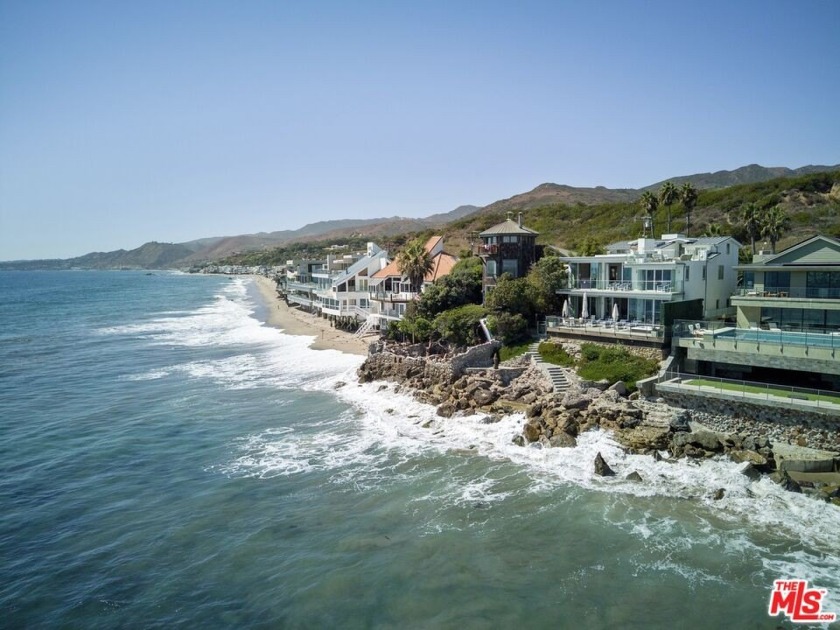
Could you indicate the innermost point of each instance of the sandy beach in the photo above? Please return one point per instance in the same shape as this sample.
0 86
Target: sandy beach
295 322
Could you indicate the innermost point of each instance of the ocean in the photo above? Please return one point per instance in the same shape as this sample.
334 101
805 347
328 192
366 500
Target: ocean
168 460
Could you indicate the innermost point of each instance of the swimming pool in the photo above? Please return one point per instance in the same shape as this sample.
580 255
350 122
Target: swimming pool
784 337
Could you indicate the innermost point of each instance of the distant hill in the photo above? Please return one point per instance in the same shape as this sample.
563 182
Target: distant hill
563 214
751 174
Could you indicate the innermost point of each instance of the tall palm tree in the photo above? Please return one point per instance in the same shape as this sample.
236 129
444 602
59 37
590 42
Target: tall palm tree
415 262
668 194
776 222
688 196
649 203
751 220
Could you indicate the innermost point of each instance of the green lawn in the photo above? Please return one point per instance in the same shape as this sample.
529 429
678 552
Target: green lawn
768 390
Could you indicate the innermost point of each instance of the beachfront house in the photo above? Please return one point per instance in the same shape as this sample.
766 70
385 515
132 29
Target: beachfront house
391 290
638 282
507 247
297 284
787 322
342 290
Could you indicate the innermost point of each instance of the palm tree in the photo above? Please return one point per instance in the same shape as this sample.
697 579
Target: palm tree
649 203
688 196
415 262
751 219
668 194
776 222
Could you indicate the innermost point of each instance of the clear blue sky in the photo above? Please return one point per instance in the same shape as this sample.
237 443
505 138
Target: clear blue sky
125 122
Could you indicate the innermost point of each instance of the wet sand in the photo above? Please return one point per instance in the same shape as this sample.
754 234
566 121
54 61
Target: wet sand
296 322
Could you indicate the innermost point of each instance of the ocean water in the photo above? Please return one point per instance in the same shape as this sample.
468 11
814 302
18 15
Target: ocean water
168 461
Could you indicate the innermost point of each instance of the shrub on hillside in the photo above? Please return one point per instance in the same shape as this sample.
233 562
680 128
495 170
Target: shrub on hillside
614 364
460 326
510 328
555 354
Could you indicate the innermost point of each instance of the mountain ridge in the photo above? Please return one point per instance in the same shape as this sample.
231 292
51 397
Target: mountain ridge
157 255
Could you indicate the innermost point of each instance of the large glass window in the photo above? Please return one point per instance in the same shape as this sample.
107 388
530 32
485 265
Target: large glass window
823 284
775 281
511 266
491 268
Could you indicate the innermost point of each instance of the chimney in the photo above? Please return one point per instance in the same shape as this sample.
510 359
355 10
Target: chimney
520 219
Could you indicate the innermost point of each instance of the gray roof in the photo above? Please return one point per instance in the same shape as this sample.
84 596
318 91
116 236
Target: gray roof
507 227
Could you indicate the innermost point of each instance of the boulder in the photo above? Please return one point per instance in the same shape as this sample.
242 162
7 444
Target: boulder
751 472
518 440
634 476
619 388
602 469
446 410
484 397
718 495
532 431
562 440
757 460
784 479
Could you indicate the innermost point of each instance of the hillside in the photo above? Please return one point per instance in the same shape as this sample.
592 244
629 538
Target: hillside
564 216
751 174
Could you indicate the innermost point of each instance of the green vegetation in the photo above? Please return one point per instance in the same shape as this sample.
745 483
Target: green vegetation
765 390
555 354
509 352
614 364
460 326
415 262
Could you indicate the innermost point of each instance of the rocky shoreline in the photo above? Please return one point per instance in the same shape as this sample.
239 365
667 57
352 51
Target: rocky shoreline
640 426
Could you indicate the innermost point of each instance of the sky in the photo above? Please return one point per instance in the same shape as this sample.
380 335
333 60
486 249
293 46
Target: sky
127 122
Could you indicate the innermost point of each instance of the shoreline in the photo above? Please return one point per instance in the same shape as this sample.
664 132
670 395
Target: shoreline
294 322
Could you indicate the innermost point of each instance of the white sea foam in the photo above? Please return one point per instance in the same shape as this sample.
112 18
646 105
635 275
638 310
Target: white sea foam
379 443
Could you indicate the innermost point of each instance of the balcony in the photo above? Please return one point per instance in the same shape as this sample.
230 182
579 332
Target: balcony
808 350
392 296
659 287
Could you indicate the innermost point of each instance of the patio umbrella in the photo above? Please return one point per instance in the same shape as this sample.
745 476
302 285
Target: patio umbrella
565 310
584 311
615 312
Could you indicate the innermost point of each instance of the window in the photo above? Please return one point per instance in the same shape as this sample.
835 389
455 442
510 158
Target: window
511 266
510 239
687 270
720 272
727 248
491 268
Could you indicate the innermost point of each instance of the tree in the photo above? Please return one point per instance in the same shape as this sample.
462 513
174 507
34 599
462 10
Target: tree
415 262
668 195
460 326
591 247
547 275
461 286
688 196
750 218
512 295
775 223
713 229
649 203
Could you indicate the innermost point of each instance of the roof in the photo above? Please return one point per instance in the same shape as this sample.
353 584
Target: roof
391 269
443 264
814 252
508 227
432 243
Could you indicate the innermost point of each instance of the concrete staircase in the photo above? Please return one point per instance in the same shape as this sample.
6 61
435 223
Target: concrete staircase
554 372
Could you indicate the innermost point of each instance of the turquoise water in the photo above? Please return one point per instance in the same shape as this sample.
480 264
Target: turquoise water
168 460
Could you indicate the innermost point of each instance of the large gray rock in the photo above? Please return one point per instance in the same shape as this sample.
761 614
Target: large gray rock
484 397
619 388
602 468
562 440
532 431
446 410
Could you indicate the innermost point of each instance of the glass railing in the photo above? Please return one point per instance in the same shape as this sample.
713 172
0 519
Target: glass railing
752 390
